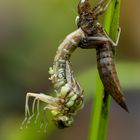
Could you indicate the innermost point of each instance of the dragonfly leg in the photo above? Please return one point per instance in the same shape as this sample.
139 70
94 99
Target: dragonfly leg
101 8
38 97
33 110
100 27
92 42
98 5
38 110
27 111
110 40
44 122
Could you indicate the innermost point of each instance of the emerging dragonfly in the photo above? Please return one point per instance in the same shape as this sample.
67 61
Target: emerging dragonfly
69 95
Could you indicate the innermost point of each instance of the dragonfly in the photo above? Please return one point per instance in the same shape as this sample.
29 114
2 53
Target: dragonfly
69 96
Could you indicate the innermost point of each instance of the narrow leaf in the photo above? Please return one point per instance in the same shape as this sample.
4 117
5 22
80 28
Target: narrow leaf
99 120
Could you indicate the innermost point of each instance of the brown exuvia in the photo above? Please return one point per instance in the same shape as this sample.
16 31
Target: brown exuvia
108 74
97 38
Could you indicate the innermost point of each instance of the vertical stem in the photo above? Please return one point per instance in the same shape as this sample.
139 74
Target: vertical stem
95 119
99 119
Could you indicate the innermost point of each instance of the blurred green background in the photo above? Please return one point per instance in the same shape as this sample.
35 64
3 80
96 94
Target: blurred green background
30 32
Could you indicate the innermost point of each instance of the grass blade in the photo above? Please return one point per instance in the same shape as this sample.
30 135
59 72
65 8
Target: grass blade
99 120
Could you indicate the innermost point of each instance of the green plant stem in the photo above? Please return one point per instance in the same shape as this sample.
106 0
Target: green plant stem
99 119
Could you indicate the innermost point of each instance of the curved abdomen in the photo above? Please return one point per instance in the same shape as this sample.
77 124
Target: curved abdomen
108 74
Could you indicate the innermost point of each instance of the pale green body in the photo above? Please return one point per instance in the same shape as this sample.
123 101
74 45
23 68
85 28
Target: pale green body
69 95
65 85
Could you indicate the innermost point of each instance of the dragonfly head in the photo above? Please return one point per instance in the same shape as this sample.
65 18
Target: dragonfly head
63 121
86 17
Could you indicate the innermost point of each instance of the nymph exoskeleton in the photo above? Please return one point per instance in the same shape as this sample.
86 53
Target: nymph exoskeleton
97 38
